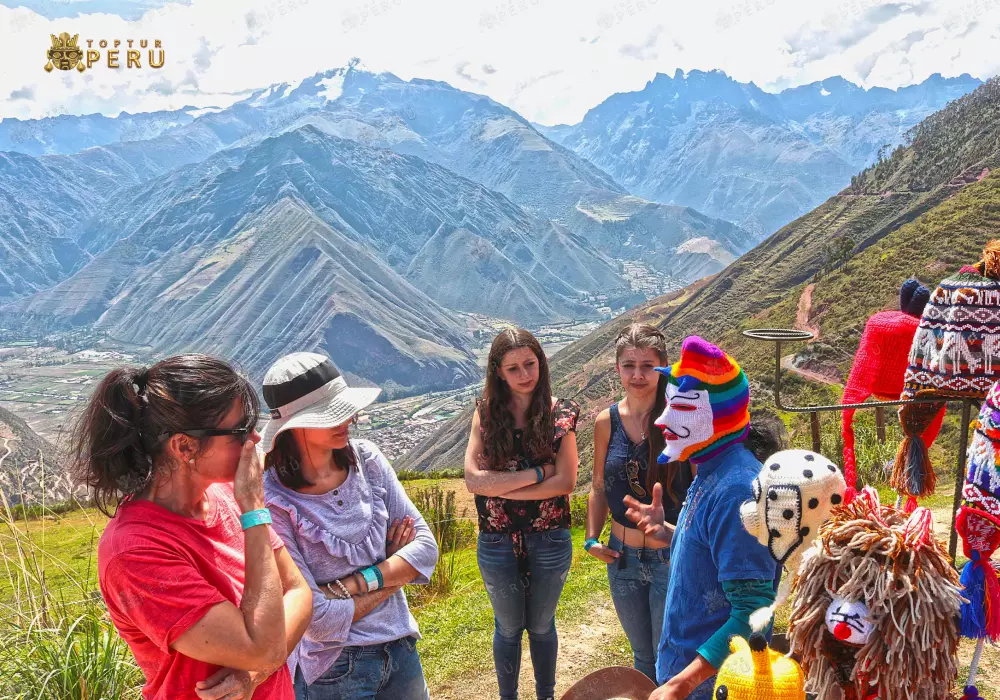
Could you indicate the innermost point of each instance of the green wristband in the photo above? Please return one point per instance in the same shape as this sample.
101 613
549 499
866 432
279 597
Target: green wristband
590 542
541 474
251 518
371 578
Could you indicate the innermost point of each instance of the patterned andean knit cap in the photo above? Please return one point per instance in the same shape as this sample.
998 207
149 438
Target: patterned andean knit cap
956 349
955 354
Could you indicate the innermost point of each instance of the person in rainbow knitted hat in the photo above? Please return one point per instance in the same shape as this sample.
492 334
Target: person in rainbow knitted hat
708 403
719 573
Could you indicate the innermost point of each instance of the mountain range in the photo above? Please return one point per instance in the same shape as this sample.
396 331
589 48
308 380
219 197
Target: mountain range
351 212
734 152
924 211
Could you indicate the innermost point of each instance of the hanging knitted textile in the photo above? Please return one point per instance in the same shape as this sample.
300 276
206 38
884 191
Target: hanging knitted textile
955 354
875 604
755 672
880 364
978 524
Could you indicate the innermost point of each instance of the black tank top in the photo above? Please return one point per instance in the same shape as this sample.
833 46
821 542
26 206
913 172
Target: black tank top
625 469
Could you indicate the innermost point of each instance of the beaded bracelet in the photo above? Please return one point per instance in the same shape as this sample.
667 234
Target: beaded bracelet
342 594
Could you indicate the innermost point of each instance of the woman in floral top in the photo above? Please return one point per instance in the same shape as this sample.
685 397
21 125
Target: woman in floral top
521 463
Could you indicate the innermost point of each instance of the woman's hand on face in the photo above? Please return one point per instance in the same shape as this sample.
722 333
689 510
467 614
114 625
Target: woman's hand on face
400 534
248 486
604 553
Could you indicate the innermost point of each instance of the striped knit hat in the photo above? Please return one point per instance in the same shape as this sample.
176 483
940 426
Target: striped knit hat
703 369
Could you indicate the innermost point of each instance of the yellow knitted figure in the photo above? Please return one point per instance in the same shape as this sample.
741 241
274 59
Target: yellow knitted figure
755 672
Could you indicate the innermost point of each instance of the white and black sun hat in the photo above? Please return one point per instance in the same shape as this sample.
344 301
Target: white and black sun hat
305 390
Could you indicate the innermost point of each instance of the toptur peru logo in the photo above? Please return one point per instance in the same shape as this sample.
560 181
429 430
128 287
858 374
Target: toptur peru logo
65 53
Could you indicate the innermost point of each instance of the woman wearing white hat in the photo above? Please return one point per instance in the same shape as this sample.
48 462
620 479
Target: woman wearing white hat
353 532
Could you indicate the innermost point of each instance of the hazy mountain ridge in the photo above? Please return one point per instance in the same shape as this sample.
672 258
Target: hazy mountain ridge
469 134
735 152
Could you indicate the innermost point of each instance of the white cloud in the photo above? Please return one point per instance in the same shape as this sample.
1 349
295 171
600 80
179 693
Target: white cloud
550 60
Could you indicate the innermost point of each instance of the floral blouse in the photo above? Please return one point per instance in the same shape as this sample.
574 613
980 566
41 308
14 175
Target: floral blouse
507 516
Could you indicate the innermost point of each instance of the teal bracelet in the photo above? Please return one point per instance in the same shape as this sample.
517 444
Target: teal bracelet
371 578
252 518
589 542
541 474
378 575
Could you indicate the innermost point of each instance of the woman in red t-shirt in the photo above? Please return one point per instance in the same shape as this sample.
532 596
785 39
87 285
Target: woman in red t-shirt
203 592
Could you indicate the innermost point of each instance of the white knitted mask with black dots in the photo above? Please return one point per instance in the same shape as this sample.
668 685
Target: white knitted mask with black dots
792 497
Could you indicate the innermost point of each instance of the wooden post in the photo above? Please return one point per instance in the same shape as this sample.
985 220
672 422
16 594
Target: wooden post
814 422
963 442
880 424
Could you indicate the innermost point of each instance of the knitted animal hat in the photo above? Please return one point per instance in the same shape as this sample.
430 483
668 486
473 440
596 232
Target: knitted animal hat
955 354
755 672
793 497
876 562
708 401
881 360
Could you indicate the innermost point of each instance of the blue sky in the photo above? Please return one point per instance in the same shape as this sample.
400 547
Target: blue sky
61 9
550 60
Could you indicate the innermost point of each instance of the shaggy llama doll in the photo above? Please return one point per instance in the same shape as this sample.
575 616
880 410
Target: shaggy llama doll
876 604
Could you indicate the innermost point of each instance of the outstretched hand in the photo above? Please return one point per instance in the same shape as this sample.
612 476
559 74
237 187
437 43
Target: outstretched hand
649 518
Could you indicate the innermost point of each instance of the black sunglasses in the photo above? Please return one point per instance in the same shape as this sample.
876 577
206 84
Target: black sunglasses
242 433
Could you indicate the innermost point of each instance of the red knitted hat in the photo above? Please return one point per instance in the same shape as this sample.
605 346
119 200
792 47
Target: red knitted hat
880 363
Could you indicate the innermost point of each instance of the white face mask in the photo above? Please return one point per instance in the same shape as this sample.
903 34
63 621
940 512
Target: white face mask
849 621
686 422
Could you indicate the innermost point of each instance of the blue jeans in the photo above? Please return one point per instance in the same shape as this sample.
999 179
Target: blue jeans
639 592
389 671
515 610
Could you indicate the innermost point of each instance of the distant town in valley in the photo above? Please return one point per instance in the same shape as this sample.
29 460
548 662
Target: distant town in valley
44 380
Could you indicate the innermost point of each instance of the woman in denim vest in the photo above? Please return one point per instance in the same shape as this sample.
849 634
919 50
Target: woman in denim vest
521 463
625 443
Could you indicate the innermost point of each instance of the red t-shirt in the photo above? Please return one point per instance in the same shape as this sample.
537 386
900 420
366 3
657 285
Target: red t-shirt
160 573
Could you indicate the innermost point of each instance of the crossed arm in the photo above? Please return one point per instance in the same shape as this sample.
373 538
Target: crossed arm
559 478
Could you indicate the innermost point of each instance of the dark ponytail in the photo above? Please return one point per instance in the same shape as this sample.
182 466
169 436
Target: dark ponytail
118 441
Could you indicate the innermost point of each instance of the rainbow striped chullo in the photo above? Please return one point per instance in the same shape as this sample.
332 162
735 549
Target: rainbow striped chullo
708 403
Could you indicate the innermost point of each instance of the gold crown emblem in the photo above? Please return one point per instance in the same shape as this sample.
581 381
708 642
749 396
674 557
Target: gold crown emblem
64 53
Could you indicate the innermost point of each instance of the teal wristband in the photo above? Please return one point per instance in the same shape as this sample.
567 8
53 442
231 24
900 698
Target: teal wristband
252 518
590 542
371 578
541 474
378 575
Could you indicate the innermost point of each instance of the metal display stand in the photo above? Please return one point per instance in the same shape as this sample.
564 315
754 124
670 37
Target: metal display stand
780 335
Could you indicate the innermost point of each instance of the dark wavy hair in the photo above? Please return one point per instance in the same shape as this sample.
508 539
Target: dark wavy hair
118 441
640 336
286 461
495 416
